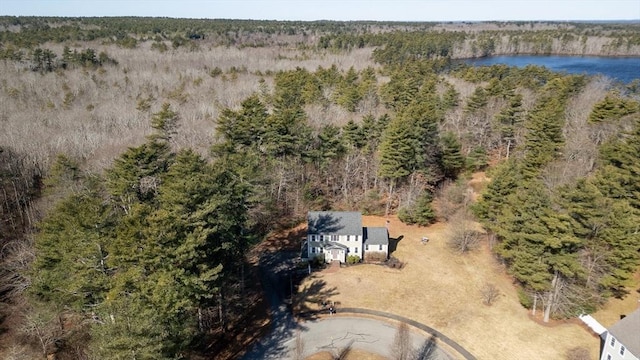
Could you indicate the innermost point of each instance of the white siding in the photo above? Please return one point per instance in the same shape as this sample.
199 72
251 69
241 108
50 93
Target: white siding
612 348
352 242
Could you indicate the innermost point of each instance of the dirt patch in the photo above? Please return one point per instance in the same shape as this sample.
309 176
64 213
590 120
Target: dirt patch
442 289
354 354
477 183
333 268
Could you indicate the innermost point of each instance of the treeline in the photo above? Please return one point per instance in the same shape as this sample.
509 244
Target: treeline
45 60
168 230
145 259
129 31
398 46
20 185
410 40
570 241
358 165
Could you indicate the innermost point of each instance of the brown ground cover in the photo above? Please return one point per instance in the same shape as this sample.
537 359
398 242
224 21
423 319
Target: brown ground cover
353 354
442 289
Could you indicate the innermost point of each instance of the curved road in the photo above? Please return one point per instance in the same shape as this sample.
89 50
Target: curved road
338 332
332 333
335 333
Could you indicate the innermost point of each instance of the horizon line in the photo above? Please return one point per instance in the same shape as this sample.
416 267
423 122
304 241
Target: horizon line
325 20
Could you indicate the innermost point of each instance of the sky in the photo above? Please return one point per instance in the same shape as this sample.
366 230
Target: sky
380 10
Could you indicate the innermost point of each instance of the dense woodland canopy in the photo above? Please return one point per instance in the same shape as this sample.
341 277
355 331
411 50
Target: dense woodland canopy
142 254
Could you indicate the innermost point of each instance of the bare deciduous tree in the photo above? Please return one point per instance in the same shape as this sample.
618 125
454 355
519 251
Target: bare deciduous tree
299 345
17 352
343 352
490 294
451 197
401 348
43 327
463 236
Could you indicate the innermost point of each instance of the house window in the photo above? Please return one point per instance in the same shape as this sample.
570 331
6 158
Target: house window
622 350
334 237
356 250
380 247
613 342
608 357
348 236
313 250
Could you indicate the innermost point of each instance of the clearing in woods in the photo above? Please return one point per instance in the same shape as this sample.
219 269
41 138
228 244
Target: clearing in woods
442 289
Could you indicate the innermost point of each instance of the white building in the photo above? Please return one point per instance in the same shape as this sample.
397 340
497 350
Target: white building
622 340
334 235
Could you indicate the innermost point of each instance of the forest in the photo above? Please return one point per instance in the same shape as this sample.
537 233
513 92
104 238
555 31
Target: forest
141 159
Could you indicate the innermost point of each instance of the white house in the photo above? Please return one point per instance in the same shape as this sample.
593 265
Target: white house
622 340
334 235
376 242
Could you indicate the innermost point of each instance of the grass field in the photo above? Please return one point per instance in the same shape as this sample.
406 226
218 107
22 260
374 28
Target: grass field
442 289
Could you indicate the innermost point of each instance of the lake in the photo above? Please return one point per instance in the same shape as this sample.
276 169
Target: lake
621 69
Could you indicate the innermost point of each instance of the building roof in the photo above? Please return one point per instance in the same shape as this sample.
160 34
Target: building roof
627 331
593 324
334 222
377 236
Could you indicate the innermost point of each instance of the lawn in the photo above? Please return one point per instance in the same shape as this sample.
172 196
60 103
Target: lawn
442 289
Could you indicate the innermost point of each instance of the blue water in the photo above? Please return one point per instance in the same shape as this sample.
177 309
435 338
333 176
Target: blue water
621 69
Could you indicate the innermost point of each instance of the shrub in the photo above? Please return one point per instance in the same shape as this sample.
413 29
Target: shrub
525 298
317 262
578 353
353 259
215 72
395 263
375 256
372 204
420 213
490 294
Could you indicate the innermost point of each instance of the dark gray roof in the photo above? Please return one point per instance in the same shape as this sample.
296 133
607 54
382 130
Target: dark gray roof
334 222
627 332
376 236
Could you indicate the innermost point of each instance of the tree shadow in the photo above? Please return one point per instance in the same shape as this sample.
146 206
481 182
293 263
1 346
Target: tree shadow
343 353
323 224
393 243
286 240
277 344
427 351
315 299
276 276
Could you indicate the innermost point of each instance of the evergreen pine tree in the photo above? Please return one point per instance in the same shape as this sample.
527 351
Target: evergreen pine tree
451 160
